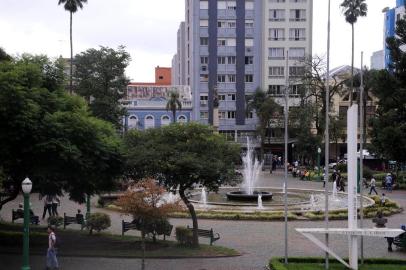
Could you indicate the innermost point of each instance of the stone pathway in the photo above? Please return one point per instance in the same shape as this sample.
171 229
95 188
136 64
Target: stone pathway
258 241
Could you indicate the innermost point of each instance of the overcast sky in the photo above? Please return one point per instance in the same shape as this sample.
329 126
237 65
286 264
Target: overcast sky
148 29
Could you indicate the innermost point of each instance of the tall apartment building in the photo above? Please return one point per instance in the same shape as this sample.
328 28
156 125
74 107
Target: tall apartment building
233 47
391 17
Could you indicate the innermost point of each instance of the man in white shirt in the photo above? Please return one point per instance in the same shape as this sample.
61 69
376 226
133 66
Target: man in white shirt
52 261
373 186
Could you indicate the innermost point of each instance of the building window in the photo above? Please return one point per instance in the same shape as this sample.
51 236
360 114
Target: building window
182 119
249 23
204 4
249 78
203 100
296 71
276 53
250 115
204 115
249 60
297 53
222 97
231 96
221 78
165 120
276 1
221 60
231 78
132 122
204 41
276 34
227 4
226 42
276 71
231 60
298 1
297 34
277 15
297 15
226 24
149 122
204 60
295 90
231 114
276 90
204 23
222 115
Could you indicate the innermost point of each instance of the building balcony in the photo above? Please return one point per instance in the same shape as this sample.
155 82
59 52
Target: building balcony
226 32
249 32
152 104
226 69
226 50
226 86
204 14
228 105
226 14
204 31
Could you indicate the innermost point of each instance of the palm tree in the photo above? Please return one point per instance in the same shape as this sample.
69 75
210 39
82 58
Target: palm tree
174 104
352 9
71 6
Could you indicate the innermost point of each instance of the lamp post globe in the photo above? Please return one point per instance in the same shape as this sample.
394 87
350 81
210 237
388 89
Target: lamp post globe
26 186
319 150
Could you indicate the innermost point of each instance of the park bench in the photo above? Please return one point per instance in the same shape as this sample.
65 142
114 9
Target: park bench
207 234
400 241
126 226
17 214
78 219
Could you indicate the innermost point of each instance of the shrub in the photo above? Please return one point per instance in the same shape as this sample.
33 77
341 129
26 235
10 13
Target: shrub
55 221
184 235
342 167
101 202
98 222
367 173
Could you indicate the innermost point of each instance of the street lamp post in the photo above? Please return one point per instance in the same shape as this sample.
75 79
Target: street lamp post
87 206
26 186
318 163
293 155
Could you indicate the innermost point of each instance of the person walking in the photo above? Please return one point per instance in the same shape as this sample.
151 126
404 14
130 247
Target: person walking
52 261
372 186
388 182
55 202
47 206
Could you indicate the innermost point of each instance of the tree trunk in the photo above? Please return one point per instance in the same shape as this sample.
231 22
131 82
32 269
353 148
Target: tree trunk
143 250
174 116
71 56
192 212
352 66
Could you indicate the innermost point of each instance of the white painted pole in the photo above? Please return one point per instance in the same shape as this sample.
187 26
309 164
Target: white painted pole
327 137
285 195
352 140
361 151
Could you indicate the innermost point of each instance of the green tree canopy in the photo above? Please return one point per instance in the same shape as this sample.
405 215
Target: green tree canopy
51 137
101 80
181 156
389 125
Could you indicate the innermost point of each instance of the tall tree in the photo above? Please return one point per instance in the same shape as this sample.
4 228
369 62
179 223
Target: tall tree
174 104
50 136
389 125
314 85
72 6
266 109
4 56
352 9
181 156
101 80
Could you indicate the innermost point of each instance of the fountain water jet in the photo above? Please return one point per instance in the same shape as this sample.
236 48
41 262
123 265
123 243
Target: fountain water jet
203 197
252 167
260 206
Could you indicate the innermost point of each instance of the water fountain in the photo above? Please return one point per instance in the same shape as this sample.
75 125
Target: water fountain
203 197
260 205
252 167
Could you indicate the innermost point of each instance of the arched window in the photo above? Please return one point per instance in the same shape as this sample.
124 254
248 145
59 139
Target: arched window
132 122
149 122
165 120
182 119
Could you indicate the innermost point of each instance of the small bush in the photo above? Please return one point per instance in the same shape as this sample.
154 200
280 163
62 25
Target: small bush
184 236
98 222
101 202
55 221
342 167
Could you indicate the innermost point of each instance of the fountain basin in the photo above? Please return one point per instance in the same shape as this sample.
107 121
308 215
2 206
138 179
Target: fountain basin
243 196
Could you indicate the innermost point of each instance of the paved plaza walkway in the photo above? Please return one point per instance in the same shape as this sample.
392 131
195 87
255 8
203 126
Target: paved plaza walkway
257 241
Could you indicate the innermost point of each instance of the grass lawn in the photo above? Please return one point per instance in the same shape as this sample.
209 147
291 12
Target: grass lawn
315 266
80 243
